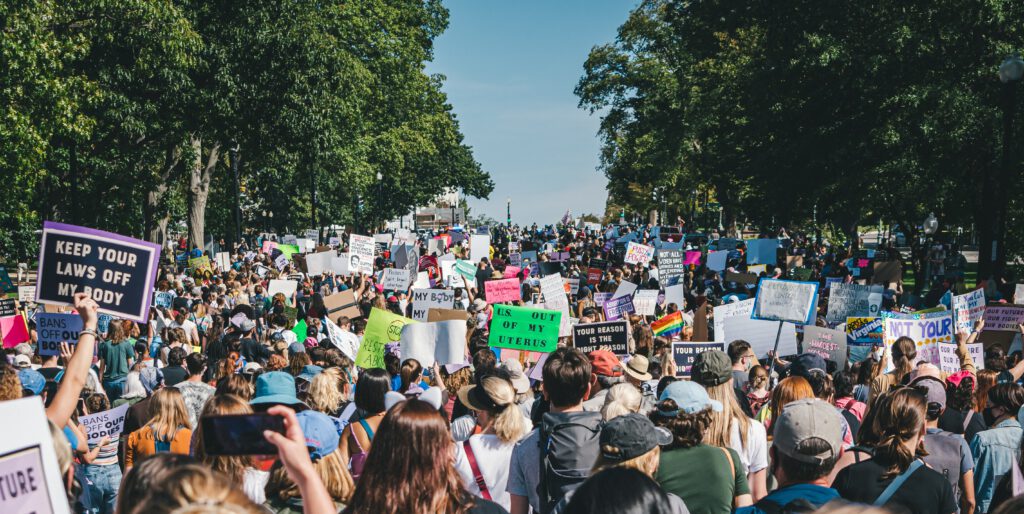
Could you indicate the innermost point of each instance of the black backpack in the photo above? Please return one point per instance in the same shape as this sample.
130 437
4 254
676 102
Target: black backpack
569 446
796 506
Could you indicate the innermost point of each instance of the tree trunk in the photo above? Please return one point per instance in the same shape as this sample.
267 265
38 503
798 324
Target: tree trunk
154 211
200 176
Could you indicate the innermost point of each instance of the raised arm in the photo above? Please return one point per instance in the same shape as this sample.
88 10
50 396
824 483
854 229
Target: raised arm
77 369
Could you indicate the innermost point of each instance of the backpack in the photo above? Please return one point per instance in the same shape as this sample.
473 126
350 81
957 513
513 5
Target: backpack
944 456
798 505
569 446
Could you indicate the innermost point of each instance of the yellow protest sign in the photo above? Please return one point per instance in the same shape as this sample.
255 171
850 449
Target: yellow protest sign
382 328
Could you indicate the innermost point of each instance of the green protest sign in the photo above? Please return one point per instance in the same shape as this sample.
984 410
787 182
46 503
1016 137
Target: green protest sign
466 268
288 250
382 328
520 328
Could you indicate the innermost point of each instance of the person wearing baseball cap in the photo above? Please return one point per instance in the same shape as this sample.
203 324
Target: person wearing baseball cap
322 441
808 442
607 369
949 454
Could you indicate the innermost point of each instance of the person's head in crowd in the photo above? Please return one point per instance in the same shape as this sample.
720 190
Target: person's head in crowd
713 370
899 423
412 453
808 442
842 384
167 413
176 357
1004 401
392 363
32 382
22 361
327 392
193 489
788 390
644 340
275 388
606 368
741 355
316 354
960 391
323 442
566 378
637 371
456 377
631 440
196 364
621 490
297 361
236 385
935 395
493 400
986 381
685 409
233 467
484 360
621 399
995 358
904 355
812 367
757 378
654 368
276 362
371 387
410 374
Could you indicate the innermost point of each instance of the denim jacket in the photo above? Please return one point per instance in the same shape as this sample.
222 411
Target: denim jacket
994 451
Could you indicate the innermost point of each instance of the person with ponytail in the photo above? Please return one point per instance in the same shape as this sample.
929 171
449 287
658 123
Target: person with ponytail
903 354
894 476
483 459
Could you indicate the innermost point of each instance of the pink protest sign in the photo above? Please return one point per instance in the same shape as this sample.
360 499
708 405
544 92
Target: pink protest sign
503 290
14 330
512 271
692 258
268 246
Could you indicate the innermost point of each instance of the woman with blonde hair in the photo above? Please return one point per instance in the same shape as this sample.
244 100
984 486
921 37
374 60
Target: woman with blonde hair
168 429
483 460
239 469
731 428
327 392
621 399
194 489
322 440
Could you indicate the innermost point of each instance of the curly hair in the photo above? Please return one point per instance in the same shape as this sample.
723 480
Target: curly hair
10 385
687 429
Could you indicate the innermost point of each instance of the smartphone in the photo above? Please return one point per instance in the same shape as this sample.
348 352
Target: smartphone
240 434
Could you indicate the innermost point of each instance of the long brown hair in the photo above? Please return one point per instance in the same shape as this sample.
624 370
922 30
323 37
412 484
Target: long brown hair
986 381
412 452
903 351
231 466
899 418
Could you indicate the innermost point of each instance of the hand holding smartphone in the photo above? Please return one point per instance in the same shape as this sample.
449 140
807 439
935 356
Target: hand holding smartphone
240 434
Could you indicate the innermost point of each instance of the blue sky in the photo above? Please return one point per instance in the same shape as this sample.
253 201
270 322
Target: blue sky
511 67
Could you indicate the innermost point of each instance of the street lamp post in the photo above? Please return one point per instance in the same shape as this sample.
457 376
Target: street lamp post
238 194
508 212
380 196
993 247
930 227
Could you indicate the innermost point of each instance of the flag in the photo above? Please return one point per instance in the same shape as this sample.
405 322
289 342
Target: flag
568 217
668 325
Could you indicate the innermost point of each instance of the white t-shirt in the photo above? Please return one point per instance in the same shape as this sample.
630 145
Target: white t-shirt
190 328
254 482
755 455
492 457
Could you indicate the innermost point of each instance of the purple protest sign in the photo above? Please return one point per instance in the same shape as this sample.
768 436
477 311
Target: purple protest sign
615 309
117 272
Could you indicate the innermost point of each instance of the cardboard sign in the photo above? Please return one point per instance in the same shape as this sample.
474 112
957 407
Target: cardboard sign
27 457
645 301
7 307
676 294
616 308
109 423
968 309
828 343
786 300
685 353
285 287
360 250
443 342
522 328
853 300
503 290
382 328
342 304
446 314
640 254
1004 317
395 279
717 260
479 247
609 336
117 272
927 330
865 331
749 279
53 329
425 299
762 251
26 294
671 267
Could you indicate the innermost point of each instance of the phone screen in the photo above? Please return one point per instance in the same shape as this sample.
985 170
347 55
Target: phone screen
240 434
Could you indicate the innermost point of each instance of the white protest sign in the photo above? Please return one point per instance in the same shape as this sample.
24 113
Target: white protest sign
637 253
395 279
676 294
625 289
340 265
853 300
318 263
108 423
286 287
384 239
452 278
360 251
443 342
26 294
645 301
425 299
574 285
786 300
27 457
281 262
927 331
717 260
730 310
950 363
422 280
760 334
1018 293
968 309
346 341
223 260
479 247
554 297
305 245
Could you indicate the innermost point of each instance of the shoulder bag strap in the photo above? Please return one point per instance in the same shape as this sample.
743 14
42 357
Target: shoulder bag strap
897 483
732 467
477 475
366 427
967 419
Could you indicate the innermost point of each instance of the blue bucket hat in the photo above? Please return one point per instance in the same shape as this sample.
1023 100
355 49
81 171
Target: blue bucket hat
275 387
322 437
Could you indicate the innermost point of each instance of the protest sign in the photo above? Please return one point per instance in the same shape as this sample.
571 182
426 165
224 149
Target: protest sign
341 265
637 253
553 290
831 281
384 239
1018 293
645 301
762 251
289 249
262 270
53 329
692 258
280 262
117 272
33 479
1004 317
852 300
395 279
717 260
625 289
382 328
729 310
676 294
268 246
601 298
684 353
342 304
757 269
422 280
760 334
727 243
515 259
572 286
786 300
865 331
26 294
360 253
950 363
443 342
467 269
14 330
609 336
318 263
511 271
163 299
6 284
927 330
479 247
616 308
7 307
223 261
425 299
285 287
108 423
830 344
447 314
502 290
749 279
968 309
670 264
522 328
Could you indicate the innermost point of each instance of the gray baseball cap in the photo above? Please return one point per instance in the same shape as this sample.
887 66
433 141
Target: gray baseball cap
804 420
